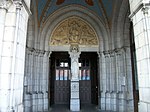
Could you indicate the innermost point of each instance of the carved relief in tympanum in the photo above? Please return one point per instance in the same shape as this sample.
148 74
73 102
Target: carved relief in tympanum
73 31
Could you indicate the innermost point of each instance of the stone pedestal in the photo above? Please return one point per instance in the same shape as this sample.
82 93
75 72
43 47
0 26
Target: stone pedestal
74 100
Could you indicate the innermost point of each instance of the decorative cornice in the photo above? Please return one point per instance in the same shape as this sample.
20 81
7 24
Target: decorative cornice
5 4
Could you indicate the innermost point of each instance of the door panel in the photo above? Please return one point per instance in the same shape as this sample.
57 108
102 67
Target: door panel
88 78
85 81
61 77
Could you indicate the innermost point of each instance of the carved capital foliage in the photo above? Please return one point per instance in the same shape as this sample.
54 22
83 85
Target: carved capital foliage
100 54
145 10
114 52
5 4
73 31
37 52
74 51
47 53
18 4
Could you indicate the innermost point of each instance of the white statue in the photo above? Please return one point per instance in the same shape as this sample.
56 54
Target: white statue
74 62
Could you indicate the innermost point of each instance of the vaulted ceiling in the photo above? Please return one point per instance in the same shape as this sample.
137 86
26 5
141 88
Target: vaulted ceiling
102 8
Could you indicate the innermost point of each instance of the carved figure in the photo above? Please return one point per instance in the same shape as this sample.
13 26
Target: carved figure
74 62
74 31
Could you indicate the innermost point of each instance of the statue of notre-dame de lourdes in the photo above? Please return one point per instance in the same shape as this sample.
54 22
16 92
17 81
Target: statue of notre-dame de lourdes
74 54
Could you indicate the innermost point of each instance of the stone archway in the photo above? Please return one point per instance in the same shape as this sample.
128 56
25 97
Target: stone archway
75 36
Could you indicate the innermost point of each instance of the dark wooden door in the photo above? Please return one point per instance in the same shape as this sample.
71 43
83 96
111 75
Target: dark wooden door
88 78
60 79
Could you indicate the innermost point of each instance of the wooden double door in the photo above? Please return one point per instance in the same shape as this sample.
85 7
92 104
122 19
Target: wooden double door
60 76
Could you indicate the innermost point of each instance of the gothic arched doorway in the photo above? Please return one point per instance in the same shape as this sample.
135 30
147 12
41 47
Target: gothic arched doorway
73 33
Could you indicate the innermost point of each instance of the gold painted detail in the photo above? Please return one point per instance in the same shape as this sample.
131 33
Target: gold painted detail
73 31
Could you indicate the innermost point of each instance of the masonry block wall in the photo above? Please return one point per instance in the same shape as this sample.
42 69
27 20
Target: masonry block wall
140 16
13 29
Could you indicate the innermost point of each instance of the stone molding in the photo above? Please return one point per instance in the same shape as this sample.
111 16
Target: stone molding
5 4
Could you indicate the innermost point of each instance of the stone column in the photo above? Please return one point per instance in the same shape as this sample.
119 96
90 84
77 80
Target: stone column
13 57
46 78
74 99
99 78
140 16
4 84
102 81
107 94
4 5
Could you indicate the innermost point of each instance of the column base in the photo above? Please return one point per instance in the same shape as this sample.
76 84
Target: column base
75 104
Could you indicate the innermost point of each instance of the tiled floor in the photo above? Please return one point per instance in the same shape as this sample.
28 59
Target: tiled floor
65 108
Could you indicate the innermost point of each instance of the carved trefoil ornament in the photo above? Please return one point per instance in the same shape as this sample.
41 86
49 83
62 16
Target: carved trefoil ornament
73 31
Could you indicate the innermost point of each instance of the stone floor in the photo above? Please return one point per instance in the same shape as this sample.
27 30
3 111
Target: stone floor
65 108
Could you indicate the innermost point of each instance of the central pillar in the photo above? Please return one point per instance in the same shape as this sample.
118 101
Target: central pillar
74 99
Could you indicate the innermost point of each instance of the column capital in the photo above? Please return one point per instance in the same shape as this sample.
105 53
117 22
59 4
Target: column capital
74 51
47 53
145 10
119 51
100 54
106 54
18 4
5 4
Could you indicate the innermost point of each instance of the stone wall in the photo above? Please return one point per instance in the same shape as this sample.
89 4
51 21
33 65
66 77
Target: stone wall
13 29
140 16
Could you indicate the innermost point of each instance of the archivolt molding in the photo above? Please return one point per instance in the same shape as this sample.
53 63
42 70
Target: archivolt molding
73 31
66 12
